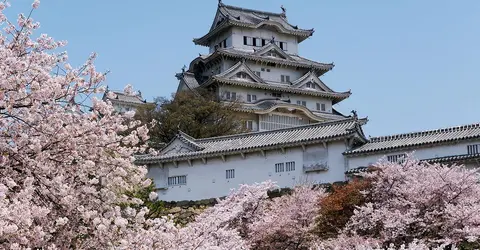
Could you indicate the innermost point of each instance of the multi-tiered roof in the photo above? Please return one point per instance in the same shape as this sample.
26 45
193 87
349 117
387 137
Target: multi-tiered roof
270 54
229 16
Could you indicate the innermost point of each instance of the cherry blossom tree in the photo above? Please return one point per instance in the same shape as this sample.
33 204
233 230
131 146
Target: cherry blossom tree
286 222
416 202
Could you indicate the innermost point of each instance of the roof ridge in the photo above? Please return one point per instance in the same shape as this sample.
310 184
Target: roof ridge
250 10
276 130
424 132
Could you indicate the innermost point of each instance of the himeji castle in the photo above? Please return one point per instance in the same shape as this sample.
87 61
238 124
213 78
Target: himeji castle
296 134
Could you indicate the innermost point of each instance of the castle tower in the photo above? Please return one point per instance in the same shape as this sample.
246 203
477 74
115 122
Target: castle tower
253 60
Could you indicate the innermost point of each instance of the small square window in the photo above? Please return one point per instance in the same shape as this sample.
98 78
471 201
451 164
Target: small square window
290 166
230 173
279 167
249 125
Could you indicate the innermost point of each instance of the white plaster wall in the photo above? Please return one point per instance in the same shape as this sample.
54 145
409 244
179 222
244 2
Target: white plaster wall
122 108
209 180
266 94
419 153
238 33
218 39
275 72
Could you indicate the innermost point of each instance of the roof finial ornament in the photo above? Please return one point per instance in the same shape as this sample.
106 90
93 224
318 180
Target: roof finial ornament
184 68
354 113
273 39
284 10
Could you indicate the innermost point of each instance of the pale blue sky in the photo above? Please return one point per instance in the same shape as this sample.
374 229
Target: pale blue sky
411 65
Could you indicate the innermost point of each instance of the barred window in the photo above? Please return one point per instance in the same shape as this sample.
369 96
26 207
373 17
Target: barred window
472 149
230 173
396 158
279 167
290 166
177 180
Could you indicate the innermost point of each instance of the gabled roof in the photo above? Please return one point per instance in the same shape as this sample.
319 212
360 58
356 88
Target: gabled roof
272 47
266 140
311 77
240 67
418 139
228 16
334 96
267 106
124 98
188 78
292 60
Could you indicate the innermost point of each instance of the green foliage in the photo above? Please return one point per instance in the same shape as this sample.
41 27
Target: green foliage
156 208
199 114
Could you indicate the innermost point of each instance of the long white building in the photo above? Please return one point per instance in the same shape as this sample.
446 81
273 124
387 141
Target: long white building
296 133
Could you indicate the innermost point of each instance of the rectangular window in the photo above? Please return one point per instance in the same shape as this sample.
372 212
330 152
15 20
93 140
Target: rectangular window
323 107
256 41
257 73
224 43
234 96
230 173
251 98
268 70
318 106
290 166
227 95
177 180
279 167
278 95
472 149
254 98
284 78
263 69
249 41
396 158
264 41
283 45
310 85
249 125
303 103
244 40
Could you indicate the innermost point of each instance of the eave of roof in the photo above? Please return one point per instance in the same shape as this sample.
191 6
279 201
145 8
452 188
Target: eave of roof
453 158
232 53
334 96
418 139
267 106
230 21
444 159
265 140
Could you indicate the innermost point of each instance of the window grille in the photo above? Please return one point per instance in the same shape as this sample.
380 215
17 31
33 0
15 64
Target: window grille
177 180
279 167
230 173
472 149
399 158
290 166
270 122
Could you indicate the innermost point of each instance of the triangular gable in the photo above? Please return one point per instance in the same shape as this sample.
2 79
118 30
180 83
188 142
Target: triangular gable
272 50
182 143
219 17
311 78
241 68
